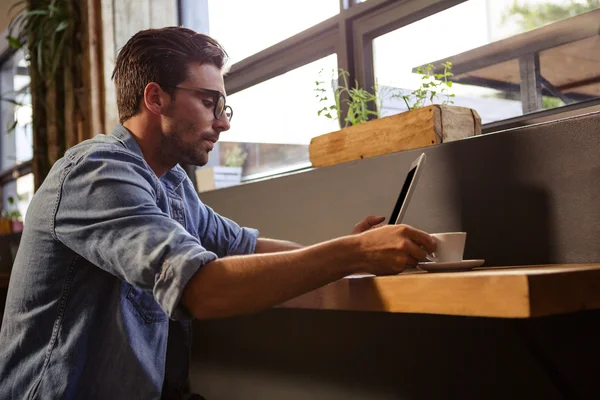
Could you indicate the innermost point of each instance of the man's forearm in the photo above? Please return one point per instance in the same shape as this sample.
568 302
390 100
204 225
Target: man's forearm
264 245
244 284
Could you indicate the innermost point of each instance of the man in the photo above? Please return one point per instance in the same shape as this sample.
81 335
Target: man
118 254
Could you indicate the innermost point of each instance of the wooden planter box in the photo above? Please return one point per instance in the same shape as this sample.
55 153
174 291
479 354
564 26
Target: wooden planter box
411 129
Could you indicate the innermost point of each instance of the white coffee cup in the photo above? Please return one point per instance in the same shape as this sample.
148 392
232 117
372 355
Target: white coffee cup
450 246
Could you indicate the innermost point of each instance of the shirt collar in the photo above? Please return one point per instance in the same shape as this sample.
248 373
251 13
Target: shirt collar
172 178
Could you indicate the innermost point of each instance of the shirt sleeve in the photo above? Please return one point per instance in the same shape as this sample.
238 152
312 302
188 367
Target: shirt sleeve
224 236
107 212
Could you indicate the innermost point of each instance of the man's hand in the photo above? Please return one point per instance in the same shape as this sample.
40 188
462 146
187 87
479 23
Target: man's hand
390 249
368 223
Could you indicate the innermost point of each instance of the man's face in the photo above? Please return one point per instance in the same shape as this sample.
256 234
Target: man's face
189 124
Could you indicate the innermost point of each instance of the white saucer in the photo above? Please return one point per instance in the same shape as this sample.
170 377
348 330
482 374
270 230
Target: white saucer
463 265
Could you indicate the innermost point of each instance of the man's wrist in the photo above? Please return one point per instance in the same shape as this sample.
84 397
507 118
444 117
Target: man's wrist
353 259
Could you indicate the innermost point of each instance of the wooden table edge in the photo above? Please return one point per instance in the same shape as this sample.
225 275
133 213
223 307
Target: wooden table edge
500 292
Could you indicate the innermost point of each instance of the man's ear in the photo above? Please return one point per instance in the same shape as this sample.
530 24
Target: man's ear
155 99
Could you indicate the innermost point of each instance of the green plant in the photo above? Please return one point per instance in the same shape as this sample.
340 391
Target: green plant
51 32
13 214
362 104
44 27
11 97
551 102
531 16
235 157
432 87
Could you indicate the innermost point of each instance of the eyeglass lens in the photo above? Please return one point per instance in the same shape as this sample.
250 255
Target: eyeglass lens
220 107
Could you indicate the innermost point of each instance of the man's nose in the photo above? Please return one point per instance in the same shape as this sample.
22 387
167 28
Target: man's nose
222 124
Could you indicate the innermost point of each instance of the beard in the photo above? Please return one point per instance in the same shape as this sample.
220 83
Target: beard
185 146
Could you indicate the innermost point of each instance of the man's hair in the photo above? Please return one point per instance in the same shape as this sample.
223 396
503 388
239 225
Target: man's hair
162 56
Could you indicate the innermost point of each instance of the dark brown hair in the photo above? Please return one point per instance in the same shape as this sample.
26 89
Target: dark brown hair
161 56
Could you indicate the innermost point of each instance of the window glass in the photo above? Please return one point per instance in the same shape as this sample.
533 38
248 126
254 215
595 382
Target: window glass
273 123
16 142
247 27
481 38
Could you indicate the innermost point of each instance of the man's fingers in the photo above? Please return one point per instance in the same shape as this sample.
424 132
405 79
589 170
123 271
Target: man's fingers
411 262
415 251
420 237
367 223
374 219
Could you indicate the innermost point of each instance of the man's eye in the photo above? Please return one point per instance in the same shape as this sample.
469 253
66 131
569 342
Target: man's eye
208 103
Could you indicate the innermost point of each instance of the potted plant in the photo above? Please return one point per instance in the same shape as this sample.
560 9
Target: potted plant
365 134
220 176
52 34
11 221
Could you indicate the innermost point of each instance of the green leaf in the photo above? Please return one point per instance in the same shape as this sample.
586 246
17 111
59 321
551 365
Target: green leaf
32 13
62 26
12 101
40 60
14 42
12 127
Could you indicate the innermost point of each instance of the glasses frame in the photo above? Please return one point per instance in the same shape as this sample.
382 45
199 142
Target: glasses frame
216 95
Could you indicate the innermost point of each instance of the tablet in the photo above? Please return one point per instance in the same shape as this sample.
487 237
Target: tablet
408 188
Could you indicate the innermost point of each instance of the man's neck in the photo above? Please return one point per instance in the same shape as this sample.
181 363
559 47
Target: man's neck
149 141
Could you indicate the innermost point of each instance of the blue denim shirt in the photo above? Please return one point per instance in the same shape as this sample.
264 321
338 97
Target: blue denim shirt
93 308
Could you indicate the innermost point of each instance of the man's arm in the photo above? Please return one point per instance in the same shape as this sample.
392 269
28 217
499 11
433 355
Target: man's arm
244 284
264 245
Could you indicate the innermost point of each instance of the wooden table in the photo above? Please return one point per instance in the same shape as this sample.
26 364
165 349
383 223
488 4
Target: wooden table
505 292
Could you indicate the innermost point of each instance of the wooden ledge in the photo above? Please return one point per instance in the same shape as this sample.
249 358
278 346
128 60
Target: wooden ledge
505 292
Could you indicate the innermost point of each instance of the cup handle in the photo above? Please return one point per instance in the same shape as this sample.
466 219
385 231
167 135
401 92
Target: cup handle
432 257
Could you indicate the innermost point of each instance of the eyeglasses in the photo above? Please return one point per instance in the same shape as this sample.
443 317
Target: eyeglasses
218 98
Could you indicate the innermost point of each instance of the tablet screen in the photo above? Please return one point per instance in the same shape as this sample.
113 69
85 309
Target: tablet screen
402 197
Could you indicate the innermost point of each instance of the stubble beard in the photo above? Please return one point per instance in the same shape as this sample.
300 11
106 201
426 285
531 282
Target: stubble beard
185 153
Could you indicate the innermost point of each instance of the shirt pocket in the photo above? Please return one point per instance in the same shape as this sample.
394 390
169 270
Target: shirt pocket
145 305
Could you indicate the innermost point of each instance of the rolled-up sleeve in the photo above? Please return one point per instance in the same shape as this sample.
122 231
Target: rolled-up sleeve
225 236
107 212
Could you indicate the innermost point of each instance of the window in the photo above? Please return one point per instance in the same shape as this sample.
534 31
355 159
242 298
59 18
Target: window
509 58
275 120
515 62
246 27
16 145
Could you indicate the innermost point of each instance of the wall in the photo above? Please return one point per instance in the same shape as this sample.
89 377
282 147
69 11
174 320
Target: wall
519 194
120 21
5 14
330 355
524 196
